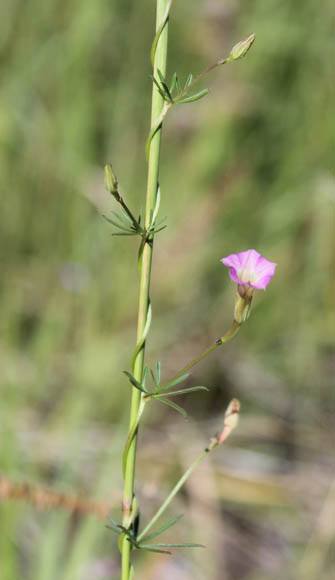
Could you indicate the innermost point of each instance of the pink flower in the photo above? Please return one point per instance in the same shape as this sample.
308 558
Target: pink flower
249 268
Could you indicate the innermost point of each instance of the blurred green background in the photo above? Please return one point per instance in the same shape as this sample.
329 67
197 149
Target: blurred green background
250 166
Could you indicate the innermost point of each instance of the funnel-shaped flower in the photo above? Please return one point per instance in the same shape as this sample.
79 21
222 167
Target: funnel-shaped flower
250 268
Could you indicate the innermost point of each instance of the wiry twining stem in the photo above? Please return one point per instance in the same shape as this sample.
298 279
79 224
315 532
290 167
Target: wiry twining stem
160 57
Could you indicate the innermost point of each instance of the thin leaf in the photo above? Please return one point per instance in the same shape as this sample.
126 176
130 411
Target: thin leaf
189 80
156 383
193 98
123 234
123 211
160 89
173 82
174 406
162 529
158 371
157 204
154 550
178 87
143 337
174 546
115 224
131 435
175 382
123 221
182 391
160 229
164 85
159 32
135 382
144 377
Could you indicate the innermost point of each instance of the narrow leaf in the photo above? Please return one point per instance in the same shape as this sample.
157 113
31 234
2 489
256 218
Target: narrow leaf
173 546
182 391
193 98
158 371
144 378
162 94
160 229
123 221
135 383
123 211
154 550
164 85
128 234
157 204
173 82
159 32
189 80
156 383
173 405
162 529
175 382
115 224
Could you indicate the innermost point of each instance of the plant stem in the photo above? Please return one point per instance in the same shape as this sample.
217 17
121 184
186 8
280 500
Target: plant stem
228 336
145 272
175 490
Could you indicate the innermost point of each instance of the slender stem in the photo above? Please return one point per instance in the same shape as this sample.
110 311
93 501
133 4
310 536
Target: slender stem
145 272
175 490
228 336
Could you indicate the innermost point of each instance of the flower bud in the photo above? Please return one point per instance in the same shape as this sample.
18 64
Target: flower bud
111 181
231 418
241 48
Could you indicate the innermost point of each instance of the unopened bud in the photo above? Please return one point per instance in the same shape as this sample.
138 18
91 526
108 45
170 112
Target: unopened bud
243 300
241 48
110 180
231 418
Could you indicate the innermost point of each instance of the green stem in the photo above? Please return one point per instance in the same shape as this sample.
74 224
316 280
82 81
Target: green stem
145 273
228 336
175 490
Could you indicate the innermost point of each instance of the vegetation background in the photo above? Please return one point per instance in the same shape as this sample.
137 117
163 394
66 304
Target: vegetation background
250 166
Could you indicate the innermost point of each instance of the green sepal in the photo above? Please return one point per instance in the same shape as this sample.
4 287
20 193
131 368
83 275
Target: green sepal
192 98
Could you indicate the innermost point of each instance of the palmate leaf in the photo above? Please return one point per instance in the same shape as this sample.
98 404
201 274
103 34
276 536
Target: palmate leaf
182 391
166 526
193 98
173 405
